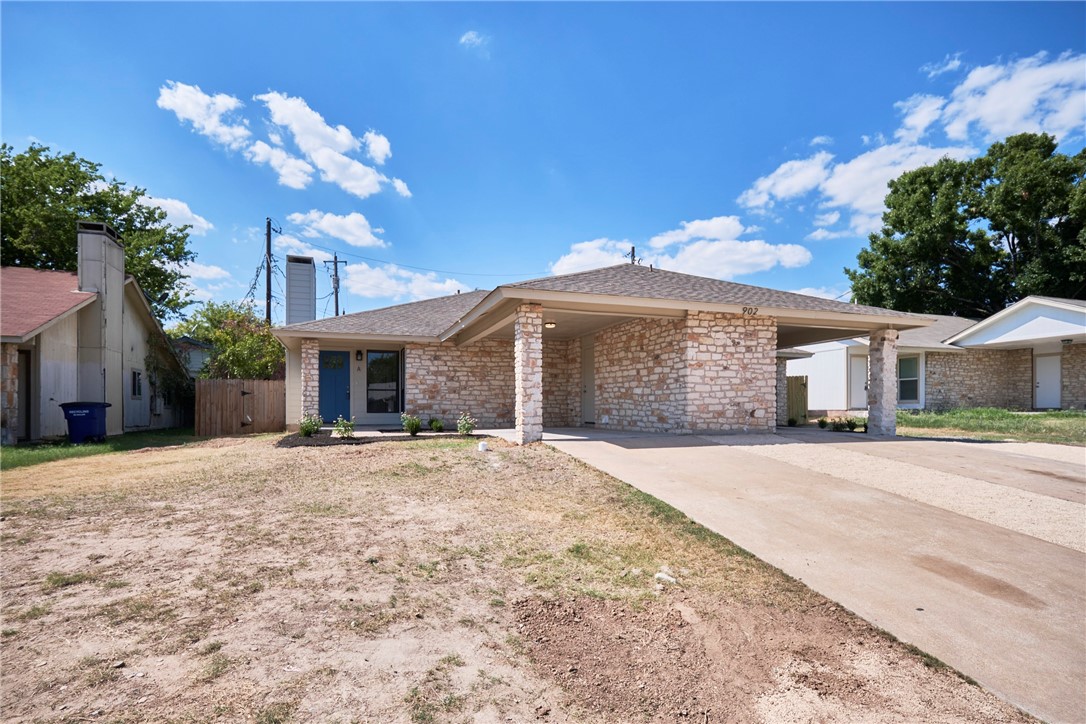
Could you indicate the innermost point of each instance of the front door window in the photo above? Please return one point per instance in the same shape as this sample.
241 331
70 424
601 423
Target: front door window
382 381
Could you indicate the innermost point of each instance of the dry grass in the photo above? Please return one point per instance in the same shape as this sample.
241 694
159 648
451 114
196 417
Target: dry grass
239 579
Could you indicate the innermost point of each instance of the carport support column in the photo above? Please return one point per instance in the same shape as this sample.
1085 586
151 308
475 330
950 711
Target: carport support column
528 359
311 376
882 388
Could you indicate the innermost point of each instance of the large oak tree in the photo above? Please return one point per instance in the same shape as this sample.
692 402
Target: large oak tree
44 195
970 237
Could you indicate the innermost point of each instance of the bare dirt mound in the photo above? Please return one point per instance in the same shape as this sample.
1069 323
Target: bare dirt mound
665 661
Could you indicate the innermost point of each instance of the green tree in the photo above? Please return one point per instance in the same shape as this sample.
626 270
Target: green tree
970 237
44 195
243 345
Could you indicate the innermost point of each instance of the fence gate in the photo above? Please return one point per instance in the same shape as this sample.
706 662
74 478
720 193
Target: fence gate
797 399
237 407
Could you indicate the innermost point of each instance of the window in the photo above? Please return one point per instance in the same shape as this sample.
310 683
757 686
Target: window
382 382
137 384
908 379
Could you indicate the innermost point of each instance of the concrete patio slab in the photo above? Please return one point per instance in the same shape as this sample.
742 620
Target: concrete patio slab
1001 606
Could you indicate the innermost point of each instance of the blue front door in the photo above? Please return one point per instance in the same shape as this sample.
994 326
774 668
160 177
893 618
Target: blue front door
335 386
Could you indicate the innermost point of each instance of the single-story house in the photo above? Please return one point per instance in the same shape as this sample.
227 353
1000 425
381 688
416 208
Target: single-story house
82 337
625 347
193 353
1031 355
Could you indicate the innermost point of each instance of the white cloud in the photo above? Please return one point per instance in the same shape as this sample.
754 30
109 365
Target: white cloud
178 213
401 188
821 234
196 270
720 258
827 219
842 294
293 171
821 141
717 228
949 64
1027 95
920 111
791 179
389 280
352 228
207 114
287 244
377 147
473 39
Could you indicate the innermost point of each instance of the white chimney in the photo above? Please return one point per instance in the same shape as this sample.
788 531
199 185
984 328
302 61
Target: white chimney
301 289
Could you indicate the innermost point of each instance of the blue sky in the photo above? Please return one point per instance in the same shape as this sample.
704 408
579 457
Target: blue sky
453 146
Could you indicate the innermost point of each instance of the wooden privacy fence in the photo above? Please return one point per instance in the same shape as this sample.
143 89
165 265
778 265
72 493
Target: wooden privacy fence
797 399
235 407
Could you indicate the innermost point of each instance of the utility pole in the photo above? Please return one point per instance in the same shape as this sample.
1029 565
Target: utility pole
267 269
335 278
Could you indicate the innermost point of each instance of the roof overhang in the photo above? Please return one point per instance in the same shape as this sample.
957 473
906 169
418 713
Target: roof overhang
292 338
495 315
20 339
1029 322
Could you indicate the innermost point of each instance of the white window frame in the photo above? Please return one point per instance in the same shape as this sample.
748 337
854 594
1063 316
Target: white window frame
919 376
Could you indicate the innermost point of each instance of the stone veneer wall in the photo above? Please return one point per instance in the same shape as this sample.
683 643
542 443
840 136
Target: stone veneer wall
561 383
882 384
782 393
311 376
9 393
1073 374
979 378
444 380
640 376
731 375
711 372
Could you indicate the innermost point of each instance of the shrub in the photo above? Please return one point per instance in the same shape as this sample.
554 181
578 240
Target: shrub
465 424
436 425
838 425
791 422
852 424
342 427
822 422
411 423
309 425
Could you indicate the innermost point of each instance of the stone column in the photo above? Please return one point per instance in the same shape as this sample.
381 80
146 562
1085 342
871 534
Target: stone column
311 376
528 363
882 388
9 395
782 393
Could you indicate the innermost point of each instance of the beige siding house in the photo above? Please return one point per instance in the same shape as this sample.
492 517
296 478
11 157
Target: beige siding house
86 337
625 347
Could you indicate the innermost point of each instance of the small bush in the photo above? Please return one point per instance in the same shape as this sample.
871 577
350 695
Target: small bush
342 427
436 425
822 422
309 425
838 425
852 424
465 424
791 422
411 423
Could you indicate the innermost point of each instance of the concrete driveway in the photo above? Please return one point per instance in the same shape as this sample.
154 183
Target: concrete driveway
971 551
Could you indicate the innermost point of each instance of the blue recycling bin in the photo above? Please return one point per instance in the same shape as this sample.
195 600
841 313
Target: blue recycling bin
86 420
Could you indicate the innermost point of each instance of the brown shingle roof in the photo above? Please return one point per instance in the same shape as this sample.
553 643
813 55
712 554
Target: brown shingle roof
631 280
944 328
427 318
31 298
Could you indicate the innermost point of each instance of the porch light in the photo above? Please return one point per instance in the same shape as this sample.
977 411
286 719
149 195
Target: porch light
358 355
550 325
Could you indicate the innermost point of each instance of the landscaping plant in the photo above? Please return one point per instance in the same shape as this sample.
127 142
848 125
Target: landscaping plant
465 424
343 427
437 425
309 425
822 422
411 423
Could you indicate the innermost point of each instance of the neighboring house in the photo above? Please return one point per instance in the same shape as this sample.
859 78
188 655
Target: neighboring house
193 353
1031 355
625 347
86 337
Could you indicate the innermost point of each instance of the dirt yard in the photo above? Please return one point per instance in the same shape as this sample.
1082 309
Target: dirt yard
246 579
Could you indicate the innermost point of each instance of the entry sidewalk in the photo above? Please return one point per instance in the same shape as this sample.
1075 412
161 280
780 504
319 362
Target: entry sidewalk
1006 608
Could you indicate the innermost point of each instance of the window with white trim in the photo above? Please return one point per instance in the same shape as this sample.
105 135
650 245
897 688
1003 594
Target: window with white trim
137 384
908 379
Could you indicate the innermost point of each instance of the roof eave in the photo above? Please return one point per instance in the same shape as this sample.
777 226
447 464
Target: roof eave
985 323
17 339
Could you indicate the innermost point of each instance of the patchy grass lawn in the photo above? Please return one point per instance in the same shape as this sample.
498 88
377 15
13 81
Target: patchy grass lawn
1066 427
420 581
12 457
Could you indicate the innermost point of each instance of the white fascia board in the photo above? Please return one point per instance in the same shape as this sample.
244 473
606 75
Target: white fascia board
1002 314
1072 322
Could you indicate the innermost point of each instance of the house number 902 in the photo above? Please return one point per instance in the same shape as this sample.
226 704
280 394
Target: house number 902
750 311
